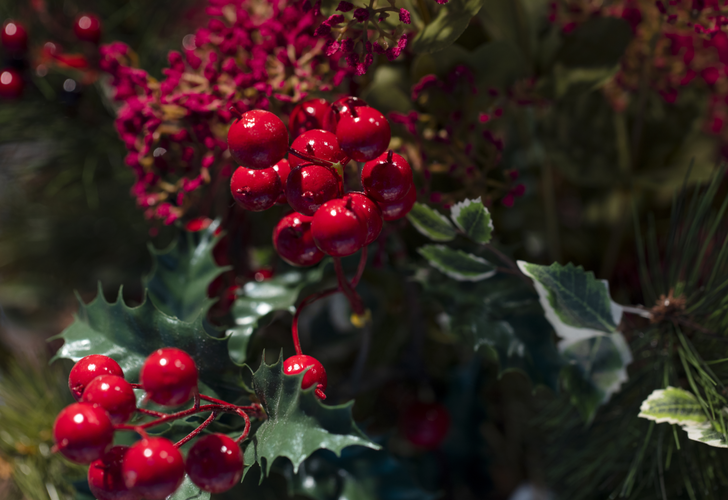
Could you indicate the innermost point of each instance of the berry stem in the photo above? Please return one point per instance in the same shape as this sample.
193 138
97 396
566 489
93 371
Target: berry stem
194 433
353 297
235 112
246 430
360 269
305 157
151 413
227 408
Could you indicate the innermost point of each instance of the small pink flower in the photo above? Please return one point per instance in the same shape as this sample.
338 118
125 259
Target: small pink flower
361 14
404 16
344 6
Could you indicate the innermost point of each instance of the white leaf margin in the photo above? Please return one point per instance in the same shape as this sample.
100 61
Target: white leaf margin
458 207
461 277
570 334
423 231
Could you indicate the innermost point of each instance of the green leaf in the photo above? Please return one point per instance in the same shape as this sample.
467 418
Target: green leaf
182 272
450 22
431 223
129 334
706 434
473 219
188 491
298 422
456 263
596 368
576 304
673 405
260 299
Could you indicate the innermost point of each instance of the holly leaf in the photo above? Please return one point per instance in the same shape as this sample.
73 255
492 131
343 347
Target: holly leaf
456 263
473 219
450 22
298 422
181 274
673 405
576 304
129 334
596 368
189 491
258 299
677 406
431 223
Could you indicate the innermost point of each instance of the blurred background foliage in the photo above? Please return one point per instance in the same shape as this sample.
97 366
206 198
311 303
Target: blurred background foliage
593 156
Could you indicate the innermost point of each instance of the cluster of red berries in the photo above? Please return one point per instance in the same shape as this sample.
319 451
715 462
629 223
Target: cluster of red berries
153 467
327 220
14 38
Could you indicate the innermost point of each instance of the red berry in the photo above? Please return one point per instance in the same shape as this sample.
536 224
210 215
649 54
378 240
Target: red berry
105 479
369 212
387 178
337 229
318 144
113 394
425 424
310 186
344 105
394 210
293 241
315 375
83 432
282 168
14 37
197 224
215 463
363 134
255 190
258 139
88 28
310 115
169 376
87 369
153 468
11 84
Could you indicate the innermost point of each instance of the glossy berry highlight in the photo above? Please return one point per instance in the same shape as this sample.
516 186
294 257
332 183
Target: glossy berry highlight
87 28
83 432
387 178
311 115
363 134
319 144
113 394
215 463
315 376
255 190
88 368
258 139
11 84
105 479
14 37
153 468
169 376
310 186
337 229
368 212
394 210
293 240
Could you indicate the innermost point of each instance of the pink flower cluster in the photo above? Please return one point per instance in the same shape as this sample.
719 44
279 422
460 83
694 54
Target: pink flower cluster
252 54
357 42
691 49
449 134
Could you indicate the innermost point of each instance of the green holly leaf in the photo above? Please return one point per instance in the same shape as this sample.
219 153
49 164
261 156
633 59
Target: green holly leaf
456 263
673 405
596 368
450 22
473 219
500 318
431 223
298 422
129 334
188 491
182 272
576 304
258 300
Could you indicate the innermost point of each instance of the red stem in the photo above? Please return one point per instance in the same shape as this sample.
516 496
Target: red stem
151 413
235 112
199 429
305 157
353 297
180 414
360 269
246 430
